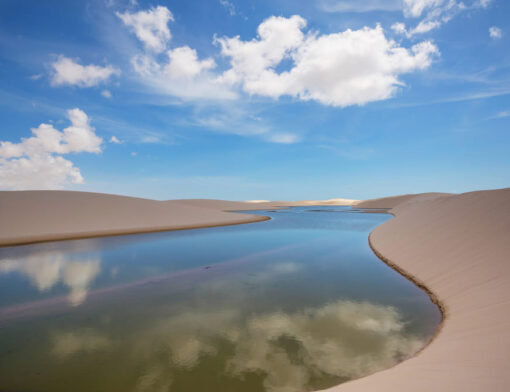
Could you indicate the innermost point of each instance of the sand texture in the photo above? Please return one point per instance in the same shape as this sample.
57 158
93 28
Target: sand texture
459 247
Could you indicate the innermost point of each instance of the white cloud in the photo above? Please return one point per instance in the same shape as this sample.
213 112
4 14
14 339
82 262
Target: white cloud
68 72
36 162
183 75
495 32
434 13
399 28
359 6
114 140
184 63
425 27
151 26
106 94
338 69
415 8
422 27
251 60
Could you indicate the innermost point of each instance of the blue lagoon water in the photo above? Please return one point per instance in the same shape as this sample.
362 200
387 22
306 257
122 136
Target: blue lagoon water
296 303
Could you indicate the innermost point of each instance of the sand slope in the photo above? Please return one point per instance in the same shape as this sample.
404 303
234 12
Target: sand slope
393 201
459 247
33 216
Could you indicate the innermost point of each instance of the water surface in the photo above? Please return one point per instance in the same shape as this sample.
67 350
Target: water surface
296 303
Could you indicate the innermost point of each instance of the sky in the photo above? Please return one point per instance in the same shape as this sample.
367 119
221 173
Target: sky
266 99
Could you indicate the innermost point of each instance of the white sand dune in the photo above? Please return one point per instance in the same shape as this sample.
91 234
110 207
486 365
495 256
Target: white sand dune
458 246
329 202
34 216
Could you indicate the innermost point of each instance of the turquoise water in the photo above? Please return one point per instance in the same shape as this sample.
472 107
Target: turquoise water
296 303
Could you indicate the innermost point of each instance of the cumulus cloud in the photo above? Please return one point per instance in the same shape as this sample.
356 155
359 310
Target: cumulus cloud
106 94
338 69
68 72
181 73
45 270
495 32
36 162
150 27
184 63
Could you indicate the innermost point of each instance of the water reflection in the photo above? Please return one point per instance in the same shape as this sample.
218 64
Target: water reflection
342 339
77 342
46 270
293 304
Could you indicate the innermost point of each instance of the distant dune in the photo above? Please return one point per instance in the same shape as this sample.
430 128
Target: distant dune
330 202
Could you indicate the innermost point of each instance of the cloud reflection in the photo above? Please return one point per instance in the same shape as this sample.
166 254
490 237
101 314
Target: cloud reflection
45 270
70 343
343 340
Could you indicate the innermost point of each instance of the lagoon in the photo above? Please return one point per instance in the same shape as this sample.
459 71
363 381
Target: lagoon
296 303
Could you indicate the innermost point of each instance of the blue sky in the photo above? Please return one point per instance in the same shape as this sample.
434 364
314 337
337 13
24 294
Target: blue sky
255 99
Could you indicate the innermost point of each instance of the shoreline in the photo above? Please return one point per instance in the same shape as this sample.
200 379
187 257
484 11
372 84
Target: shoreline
89 235
417 282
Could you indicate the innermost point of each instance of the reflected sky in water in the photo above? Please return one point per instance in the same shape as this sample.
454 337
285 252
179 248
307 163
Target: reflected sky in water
296 303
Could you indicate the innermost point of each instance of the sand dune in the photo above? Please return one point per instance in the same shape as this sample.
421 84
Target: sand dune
459 247
33 216
304 203
393 201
